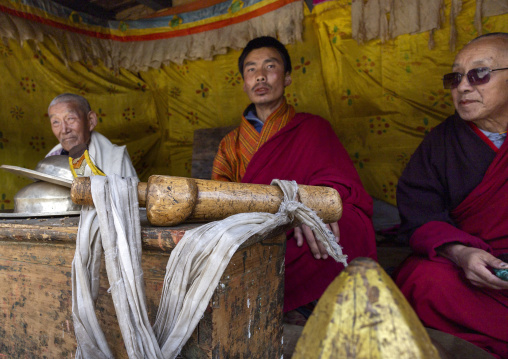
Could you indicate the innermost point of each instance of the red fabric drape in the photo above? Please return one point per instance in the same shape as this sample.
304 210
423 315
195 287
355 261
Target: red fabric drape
308 152
438 290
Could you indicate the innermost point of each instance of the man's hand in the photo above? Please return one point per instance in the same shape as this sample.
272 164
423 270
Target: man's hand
476 263
318 251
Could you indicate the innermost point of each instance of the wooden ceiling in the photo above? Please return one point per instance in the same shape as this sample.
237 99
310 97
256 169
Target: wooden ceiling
134 9
120 9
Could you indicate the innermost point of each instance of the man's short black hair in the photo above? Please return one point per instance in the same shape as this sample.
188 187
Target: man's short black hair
265 41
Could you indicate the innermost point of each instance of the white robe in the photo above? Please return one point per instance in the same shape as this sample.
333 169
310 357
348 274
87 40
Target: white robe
110 158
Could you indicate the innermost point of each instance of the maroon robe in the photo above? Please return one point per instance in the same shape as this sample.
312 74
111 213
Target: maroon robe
448 194
307 151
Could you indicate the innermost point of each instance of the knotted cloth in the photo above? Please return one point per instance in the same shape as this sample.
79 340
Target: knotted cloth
193 271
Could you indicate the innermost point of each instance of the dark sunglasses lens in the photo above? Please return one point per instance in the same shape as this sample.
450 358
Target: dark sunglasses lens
451 81
479 76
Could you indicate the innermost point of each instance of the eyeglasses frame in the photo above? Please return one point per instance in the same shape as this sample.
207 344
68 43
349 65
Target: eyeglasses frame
466 75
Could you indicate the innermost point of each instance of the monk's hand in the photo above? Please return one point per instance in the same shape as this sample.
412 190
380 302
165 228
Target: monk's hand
334 227
476 264
303 232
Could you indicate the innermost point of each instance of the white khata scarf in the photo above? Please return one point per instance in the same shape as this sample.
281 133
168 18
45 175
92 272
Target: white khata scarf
193 271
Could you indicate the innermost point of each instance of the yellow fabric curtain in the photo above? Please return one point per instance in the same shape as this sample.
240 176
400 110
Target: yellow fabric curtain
381 98
384 97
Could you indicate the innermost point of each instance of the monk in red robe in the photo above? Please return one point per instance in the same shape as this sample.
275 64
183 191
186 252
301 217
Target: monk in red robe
275 142
453 202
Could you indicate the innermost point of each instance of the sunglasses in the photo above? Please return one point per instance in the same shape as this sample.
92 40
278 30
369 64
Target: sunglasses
478 76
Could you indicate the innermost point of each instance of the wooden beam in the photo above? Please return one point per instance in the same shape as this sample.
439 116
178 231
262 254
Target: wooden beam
88 8
156 4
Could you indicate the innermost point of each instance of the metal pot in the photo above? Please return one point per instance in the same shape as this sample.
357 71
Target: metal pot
46 198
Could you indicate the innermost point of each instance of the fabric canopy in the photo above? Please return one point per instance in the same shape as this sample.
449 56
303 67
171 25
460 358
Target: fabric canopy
140 44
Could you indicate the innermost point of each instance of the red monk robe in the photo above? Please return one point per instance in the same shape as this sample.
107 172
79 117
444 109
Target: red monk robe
308 151
436 288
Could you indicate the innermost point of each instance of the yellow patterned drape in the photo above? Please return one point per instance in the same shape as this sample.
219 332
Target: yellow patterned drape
381 98
384 97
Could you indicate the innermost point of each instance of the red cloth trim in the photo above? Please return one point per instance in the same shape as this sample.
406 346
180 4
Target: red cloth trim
484 212
482 136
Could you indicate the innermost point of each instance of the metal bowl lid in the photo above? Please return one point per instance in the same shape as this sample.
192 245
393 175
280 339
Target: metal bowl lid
55 165
53 169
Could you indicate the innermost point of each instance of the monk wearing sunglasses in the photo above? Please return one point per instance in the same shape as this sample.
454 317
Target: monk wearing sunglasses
453 202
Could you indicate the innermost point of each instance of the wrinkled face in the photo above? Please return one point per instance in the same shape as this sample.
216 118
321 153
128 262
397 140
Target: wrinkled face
487 102
70 124
264 77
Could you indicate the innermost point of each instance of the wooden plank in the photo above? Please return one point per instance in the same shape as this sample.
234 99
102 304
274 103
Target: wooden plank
244 317
65 229
36 319
247 304
206 144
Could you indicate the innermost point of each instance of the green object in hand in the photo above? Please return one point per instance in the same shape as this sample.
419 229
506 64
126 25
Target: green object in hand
501 273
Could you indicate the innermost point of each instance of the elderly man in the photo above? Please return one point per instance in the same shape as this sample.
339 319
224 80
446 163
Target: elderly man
453 202
275 142
73 122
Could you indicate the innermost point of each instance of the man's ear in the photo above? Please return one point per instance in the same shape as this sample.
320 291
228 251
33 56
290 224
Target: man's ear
287 80
92 120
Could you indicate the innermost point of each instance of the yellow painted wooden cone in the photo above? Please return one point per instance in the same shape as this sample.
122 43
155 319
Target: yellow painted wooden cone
363 314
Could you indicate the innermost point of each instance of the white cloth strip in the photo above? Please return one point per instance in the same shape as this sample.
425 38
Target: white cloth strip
193 271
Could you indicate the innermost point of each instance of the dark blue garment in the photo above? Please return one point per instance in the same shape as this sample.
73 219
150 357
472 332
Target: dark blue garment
253 119
449 163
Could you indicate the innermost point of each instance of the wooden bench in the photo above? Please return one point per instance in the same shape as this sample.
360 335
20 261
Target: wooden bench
206 143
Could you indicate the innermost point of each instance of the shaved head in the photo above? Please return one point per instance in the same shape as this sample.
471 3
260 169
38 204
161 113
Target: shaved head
80 101
499 38
484 103
502 35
